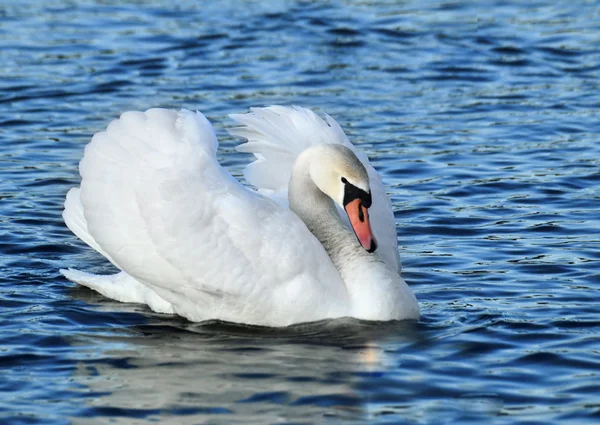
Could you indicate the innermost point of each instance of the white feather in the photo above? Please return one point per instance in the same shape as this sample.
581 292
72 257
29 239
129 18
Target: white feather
190 239
158 204
276 135
120 287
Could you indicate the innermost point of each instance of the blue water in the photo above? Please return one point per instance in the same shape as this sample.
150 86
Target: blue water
484 120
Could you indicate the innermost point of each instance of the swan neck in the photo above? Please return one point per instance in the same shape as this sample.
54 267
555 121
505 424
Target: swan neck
376 291
319 213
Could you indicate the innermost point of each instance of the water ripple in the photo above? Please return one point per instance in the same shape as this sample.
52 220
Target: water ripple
482 119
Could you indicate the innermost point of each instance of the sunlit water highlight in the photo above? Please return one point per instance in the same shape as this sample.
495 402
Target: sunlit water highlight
483 119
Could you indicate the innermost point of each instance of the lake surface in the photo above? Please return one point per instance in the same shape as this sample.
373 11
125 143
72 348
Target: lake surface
482 117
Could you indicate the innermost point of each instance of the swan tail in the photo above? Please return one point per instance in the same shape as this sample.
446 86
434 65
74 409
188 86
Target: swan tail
120 287
76 222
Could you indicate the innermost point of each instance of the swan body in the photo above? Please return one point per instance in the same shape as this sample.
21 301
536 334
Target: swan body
189 239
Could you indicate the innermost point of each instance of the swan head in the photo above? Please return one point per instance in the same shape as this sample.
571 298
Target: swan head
340 175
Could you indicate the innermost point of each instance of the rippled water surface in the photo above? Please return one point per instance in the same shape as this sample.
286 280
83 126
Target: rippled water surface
483 118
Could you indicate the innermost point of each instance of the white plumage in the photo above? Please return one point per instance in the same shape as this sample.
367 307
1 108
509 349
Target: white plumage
278 134
191 240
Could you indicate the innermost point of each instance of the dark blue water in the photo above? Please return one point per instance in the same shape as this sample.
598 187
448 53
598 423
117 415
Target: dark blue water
484 119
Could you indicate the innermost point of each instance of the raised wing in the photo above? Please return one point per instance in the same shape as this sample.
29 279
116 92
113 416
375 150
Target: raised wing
160 207
276 135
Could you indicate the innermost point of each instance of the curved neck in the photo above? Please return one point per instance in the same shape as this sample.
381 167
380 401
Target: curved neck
320 215
376 291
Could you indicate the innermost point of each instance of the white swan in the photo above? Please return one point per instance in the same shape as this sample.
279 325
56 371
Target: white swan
190 239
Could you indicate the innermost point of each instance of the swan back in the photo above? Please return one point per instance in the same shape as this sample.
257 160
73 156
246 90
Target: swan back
155 201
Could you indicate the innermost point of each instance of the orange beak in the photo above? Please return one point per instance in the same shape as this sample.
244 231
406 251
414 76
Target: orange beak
359 219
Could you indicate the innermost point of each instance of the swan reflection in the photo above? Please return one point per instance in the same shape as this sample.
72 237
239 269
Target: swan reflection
184 373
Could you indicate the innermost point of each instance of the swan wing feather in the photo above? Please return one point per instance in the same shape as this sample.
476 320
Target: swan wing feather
157 203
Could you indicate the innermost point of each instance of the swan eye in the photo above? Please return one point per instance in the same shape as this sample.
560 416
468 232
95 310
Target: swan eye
344 180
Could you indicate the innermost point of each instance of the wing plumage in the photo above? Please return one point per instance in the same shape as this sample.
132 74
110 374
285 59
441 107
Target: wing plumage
276 135
155 201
